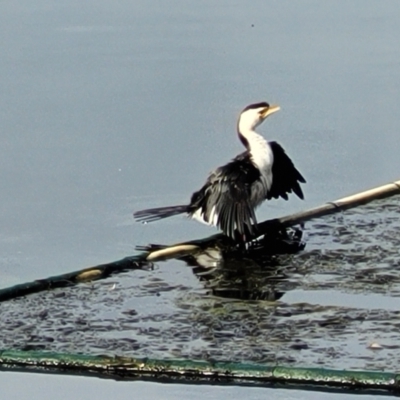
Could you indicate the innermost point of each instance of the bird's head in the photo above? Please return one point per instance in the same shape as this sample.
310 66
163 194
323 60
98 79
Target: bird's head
254 114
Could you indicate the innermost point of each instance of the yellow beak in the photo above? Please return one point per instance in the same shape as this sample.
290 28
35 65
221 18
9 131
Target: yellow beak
273 108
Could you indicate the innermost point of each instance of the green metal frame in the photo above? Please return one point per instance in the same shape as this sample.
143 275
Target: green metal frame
198 371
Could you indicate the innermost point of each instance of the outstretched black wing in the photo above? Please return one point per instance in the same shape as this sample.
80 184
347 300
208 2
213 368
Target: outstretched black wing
224 200
285 176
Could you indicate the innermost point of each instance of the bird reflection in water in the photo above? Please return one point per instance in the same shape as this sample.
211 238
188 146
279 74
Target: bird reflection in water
253 274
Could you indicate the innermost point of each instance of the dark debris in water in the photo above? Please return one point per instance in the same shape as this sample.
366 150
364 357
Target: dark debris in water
324 306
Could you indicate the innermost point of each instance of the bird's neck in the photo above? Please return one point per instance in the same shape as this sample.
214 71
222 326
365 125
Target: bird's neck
258 147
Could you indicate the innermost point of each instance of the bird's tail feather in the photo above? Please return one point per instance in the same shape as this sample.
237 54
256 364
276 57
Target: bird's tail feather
154 214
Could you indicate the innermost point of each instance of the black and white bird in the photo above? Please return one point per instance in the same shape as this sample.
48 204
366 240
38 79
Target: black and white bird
231 193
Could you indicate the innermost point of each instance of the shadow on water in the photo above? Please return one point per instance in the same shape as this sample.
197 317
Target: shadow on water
322 306
250 274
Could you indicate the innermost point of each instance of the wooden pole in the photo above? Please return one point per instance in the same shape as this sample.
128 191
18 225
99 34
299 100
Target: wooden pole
332 207
345 203
155 253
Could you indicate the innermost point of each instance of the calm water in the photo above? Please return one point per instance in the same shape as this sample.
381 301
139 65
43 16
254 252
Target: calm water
108 107
60 388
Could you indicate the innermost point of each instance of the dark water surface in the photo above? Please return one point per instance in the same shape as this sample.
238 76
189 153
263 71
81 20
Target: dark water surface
108 107
323 307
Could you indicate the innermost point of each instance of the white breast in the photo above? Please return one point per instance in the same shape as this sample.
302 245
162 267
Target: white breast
263 158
